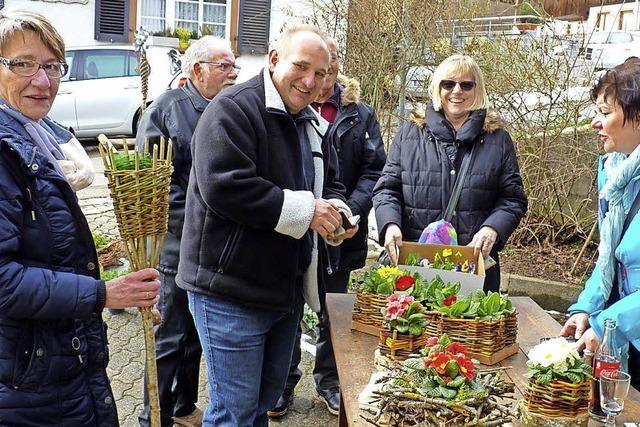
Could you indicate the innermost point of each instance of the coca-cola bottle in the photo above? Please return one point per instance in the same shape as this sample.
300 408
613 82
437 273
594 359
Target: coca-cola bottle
607 358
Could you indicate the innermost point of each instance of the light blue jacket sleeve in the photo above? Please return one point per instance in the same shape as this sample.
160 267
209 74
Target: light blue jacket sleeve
626 313
591 300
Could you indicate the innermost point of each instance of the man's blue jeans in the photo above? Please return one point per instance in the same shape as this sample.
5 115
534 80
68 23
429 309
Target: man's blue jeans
247 351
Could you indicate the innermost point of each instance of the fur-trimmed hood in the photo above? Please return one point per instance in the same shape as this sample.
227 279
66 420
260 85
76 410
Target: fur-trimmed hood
351 90
492 121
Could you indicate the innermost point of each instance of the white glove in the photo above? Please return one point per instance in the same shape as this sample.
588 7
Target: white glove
77 167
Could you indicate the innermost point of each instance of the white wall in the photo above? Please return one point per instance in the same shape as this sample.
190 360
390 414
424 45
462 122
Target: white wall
74 21
612 18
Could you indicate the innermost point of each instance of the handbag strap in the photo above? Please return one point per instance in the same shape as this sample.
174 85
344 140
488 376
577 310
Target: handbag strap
457 186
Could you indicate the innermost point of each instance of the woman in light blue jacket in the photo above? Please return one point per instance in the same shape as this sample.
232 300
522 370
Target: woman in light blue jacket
611 291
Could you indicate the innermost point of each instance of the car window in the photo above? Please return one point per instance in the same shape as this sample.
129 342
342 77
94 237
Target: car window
620 38
68 57
102 64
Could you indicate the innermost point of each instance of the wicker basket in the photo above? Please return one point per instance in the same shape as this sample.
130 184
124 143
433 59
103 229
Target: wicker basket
482 338
367 309
557 399
398 346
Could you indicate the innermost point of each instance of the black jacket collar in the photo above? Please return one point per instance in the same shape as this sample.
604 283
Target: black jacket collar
444 132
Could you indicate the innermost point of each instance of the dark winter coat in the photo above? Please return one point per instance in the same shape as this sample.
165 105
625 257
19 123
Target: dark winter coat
53 352
416 182
174 114
355 134
245 236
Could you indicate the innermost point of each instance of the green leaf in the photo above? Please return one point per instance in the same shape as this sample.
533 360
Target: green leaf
435 392
429 384
403 329
414 363
415 329
545 378
459 381
439 380
492 303
384 288
452 369
447 393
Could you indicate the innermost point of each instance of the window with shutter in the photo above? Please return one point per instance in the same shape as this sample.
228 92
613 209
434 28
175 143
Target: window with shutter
112 20
253 28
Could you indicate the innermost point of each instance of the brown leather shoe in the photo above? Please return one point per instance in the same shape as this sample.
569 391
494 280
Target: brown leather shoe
194 419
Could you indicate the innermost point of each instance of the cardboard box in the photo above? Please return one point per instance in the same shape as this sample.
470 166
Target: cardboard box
469 282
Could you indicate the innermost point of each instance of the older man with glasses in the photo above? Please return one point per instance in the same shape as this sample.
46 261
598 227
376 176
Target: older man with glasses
210 65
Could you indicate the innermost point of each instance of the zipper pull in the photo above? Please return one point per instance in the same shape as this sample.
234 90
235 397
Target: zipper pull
30 200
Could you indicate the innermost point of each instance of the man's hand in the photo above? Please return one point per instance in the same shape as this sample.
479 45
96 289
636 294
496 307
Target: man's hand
575 325
588 340
392 242
137 289
483 241
346 235
326 218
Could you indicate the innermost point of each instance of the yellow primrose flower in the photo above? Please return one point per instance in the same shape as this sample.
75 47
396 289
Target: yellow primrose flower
387 271
447 252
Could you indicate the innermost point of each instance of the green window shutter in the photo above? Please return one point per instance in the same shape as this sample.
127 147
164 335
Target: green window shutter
253 26
112 20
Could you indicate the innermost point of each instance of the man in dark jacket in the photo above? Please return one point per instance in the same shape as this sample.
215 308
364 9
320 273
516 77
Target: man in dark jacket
210 65
355 135
262 188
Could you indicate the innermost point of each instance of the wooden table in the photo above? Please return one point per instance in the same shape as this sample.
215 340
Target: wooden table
354 355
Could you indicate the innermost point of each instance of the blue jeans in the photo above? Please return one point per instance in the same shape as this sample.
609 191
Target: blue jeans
247 351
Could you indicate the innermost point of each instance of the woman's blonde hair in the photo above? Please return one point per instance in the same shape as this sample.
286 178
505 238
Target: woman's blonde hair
18 21
459 65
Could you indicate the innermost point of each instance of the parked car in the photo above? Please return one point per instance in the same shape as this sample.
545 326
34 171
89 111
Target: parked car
102 91
608 49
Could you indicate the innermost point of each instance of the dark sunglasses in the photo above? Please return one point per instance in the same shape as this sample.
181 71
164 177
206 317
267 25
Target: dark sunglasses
465 85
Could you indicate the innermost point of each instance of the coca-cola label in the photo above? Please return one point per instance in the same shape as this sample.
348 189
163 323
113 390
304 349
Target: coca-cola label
605 365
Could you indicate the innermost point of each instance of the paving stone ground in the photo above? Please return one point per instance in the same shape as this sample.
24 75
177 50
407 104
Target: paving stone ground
126 342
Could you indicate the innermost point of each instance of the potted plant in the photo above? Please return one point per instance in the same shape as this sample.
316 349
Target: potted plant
404 319
558 389
183 34
442 386
486 323
381 281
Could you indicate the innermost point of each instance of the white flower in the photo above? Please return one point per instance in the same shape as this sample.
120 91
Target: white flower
554 352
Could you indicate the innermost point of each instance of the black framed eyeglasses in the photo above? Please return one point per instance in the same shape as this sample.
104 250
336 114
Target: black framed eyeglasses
29 68
225 67
465 85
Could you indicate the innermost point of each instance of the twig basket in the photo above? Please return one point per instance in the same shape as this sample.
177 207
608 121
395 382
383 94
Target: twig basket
367 309
398 346
557 398
141 203
555 404
489 341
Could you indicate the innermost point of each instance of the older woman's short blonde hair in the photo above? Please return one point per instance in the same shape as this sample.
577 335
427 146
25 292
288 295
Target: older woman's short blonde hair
459 66
18 21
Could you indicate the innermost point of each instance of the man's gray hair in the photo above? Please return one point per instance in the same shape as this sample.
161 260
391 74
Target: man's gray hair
283 44
19 21
200 50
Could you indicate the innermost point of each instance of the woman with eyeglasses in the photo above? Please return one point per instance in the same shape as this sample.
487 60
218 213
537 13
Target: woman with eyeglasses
426 157
53 349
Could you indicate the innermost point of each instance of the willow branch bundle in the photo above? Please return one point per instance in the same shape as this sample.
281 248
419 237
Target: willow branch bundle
140 191
403 405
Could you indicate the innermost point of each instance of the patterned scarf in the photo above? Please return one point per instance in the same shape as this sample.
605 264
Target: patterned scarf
41 135
620 170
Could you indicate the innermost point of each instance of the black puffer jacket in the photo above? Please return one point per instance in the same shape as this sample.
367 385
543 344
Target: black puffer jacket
355 134
416 182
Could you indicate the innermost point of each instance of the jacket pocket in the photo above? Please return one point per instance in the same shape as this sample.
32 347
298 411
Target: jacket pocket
25 358
229 248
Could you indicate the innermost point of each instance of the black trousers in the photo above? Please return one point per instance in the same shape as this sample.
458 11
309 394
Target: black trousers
325 372
178 354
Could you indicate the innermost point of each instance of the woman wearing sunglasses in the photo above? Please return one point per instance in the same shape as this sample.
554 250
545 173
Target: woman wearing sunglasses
426 157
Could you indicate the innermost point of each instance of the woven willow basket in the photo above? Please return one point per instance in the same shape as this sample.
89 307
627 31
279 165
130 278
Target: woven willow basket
399 346
480 337
557 399
367 308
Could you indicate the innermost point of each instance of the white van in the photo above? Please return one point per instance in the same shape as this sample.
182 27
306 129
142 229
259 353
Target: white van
608 49
102 91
